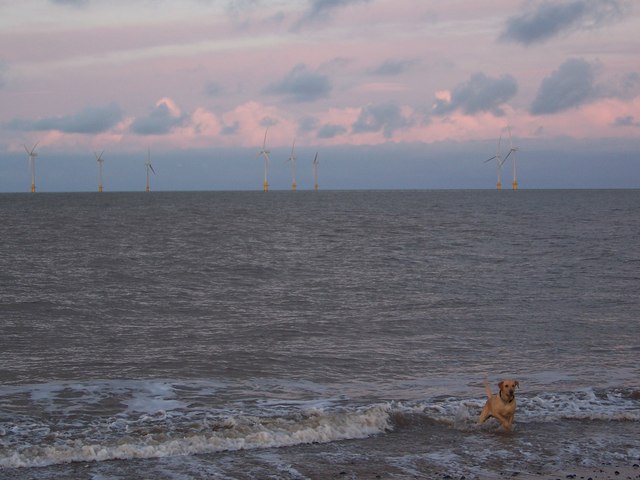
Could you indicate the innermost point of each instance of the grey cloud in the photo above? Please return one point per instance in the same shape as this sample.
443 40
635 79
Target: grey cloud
628 121
230 129
307 124
550 19
321 9
628 87
570 86
89 120
479 94
268 122
574 83
159 121
301 85
331 131
383 117
392 67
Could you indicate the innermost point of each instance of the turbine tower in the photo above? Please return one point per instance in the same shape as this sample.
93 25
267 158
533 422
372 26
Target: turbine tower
32 165
499 163
292 159
100 161
148 166
513 150
315 172
265 153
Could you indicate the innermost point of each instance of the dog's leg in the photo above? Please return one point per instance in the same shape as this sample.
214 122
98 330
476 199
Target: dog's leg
485 414
506 423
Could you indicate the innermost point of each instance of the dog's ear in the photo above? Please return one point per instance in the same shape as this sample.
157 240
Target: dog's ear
500 385
517 383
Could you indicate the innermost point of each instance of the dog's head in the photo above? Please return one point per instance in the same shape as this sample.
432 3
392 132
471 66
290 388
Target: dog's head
508 389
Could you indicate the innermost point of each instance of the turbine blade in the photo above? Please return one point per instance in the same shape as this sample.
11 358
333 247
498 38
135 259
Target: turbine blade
489 159
27 150
151 167
505 158
264 143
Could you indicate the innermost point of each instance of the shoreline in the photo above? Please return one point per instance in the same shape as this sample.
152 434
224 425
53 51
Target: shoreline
602 472
368 470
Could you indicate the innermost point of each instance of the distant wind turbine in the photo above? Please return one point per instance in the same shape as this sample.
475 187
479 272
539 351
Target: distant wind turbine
292 159
499 162
32 164
148 165
513 150
100 161
265 154
315 172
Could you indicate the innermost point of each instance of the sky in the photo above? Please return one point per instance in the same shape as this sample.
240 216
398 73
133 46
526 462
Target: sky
388 93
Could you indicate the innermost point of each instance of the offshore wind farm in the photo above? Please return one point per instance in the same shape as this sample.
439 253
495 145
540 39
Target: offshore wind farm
264 154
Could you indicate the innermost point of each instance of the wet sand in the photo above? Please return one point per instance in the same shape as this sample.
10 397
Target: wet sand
366 470
604 472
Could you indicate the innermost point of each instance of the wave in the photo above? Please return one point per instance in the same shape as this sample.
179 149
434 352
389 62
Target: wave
587 404
159 436
159 420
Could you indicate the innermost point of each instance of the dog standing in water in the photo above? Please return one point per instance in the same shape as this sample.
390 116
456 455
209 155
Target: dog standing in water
501 406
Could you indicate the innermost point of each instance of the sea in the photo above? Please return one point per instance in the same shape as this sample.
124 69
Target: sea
317 334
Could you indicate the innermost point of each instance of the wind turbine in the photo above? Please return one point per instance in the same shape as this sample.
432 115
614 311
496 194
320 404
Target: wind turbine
499 163
315 172
265 153
100 161
32 164
513 150
292 159
148 165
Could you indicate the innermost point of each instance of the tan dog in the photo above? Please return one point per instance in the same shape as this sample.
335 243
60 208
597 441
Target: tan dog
501 406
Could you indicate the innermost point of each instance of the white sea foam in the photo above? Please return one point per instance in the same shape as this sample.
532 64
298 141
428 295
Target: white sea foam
154 397
244 432
586 404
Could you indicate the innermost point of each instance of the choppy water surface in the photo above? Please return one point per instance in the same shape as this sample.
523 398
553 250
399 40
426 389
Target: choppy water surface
316 334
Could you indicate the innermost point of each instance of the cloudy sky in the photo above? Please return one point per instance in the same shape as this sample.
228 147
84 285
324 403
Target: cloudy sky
390 93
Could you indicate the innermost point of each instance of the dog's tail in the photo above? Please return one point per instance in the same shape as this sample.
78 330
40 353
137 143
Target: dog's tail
487 389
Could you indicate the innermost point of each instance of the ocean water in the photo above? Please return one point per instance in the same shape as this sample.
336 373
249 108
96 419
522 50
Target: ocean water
313 335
